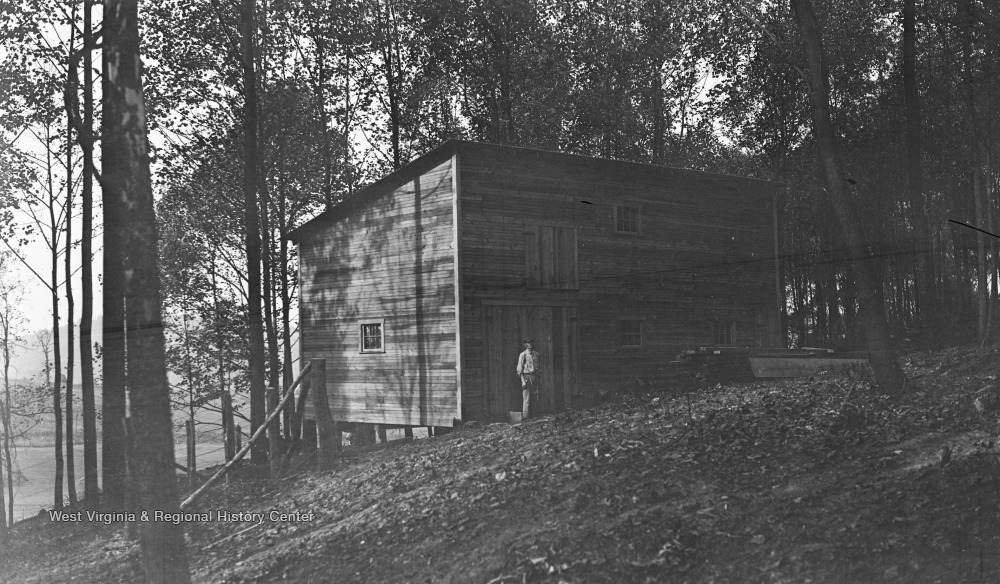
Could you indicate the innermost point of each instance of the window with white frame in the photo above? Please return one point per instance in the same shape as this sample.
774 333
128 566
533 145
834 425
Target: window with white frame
372 336
627 219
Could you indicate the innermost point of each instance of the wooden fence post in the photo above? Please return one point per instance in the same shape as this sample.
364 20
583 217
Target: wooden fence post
189 426
324 420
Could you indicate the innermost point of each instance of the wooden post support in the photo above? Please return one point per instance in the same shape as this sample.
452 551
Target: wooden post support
297 433
338 436
363 434
382 436
189 426
309 435
271 417
324 420
408 432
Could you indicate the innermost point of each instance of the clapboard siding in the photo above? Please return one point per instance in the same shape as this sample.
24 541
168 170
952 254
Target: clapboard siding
704 252
388 256
539 256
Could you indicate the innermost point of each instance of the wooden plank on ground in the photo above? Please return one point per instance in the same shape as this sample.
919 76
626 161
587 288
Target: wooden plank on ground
765 367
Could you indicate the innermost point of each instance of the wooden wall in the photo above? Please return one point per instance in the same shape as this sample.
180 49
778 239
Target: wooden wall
386 254
705 252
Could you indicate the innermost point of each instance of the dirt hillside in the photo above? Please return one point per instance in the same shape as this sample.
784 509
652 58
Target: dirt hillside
805 480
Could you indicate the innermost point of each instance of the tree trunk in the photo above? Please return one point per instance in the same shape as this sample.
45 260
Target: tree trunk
270 325
7 443
5 419
926 305
112 361
888 375
113 386
391 81
320 43
255 323
965 14
127 185
70 451
56 355
90 487
659 122
229 436
286 305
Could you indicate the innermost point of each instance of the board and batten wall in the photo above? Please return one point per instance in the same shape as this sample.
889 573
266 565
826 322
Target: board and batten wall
387 254
704 254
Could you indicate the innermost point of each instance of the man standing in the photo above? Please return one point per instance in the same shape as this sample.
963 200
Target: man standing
529 368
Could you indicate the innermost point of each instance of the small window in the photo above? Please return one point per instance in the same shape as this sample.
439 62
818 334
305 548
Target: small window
627 219
631 333
723 332
372 337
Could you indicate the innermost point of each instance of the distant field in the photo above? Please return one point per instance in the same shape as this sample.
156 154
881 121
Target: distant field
35 490
36 457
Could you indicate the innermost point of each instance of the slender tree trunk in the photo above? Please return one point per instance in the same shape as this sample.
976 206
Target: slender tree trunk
274 369
7 313
982 295
926 307
348 120
885 366
70 450
658 116
252 237
391 81
90 487
320 43
56 356
127 184
8 441
188 370
286 305
4 513
227 401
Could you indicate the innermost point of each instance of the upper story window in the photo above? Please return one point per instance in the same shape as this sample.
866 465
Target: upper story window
723 332
551 258
372 339
630 333
627 219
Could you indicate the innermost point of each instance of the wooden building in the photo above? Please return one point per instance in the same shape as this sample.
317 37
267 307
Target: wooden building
419 289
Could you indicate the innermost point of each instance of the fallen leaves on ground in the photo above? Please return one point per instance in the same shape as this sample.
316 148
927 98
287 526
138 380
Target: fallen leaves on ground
800 480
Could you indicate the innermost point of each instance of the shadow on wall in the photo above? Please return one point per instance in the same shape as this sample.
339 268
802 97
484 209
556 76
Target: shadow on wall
392 262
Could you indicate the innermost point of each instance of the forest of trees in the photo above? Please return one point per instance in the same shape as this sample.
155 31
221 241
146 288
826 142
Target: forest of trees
261 114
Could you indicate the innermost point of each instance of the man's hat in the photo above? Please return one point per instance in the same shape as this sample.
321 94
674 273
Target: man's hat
527 340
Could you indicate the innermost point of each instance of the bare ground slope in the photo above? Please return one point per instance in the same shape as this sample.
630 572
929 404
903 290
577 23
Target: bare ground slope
793 481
